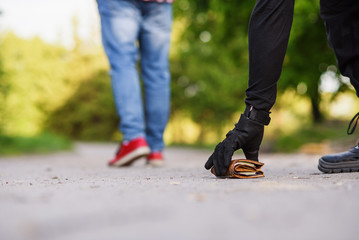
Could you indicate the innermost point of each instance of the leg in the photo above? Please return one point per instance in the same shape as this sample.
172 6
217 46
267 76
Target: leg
268 35
154 45
341 18
120 22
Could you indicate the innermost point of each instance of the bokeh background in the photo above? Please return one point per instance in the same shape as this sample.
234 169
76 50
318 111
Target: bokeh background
55 88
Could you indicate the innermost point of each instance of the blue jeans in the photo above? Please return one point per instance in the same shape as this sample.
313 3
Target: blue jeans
133 29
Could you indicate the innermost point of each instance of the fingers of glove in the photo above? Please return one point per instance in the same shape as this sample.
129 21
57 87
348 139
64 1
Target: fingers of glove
223 159
218 152
209 162
227 157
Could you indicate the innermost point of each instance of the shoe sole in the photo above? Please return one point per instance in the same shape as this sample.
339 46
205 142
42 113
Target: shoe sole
342 167
131 157
155 163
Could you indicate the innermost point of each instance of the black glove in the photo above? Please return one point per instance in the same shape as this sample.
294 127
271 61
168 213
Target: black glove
247 134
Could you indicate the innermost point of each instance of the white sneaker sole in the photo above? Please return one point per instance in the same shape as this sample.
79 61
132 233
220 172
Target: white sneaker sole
155 163
131 157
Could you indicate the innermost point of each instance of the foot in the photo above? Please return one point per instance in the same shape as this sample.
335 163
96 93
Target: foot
340 162
129 152
155 159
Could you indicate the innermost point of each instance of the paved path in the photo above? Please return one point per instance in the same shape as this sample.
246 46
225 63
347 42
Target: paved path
74 195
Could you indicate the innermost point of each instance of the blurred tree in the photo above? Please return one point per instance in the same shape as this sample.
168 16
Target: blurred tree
69 90
35 81
308 55
210 65
89 114
38 79
4 88
19 96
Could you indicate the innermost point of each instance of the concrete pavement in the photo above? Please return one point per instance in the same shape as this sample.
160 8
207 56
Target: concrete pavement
74 195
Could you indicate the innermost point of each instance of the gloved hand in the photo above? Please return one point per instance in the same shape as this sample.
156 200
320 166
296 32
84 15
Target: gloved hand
247 134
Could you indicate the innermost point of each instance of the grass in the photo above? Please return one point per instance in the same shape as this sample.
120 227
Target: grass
42 143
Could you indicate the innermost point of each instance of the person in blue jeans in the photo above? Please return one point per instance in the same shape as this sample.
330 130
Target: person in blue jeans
135 30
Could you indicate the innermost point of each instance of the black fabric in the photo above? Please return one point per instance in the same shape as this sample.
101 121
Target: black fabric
257 115
341 18
268 35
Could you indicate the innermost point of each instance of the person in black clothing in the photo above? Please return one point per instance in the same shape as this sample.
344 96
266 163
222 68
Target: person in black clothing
268 35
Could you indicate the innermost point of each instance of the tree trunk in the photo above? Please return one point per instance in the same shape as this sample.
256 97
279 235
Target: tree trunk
316 113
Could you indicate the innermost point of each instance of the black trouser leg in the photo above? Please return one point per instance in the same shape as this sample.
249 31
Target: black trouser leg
268 35
341 18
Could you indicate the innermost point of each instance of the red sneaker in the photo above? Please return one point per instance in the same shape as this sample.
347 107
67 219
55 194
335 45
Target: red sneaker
155 159
129 152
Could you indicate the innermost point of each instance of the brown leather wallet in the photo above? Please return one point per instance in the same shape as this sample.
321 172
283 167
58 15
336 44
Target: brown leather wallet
243 168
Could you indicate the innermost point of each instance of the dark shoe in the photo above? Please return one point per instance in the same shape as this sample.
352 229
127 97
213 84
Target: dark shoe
340 162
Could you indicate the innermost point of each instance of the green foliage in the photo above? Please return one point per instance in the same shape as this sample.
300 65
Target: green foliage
308 55
4 89
42 83
330 134
317 133
49 88
89 114
210 68
34 82
42 143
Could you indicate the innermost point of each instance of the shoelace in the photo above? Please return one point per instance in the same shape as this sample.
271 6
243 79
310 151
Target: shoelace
355 119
